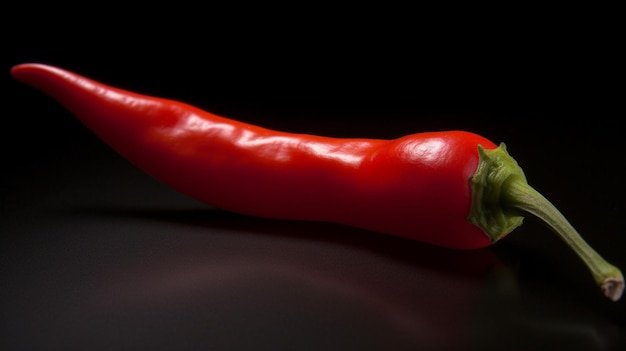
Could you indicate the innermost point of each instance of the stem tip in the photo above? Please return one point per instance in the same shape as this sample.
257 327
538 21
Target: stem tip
612 288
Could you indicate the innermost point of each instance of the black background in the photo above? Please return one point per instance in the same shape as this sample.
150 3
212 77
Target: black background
97 255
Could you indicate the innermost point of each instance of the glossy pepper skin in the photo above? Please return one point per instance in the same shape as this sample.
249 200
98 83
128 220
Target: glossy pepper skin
414 187
453 189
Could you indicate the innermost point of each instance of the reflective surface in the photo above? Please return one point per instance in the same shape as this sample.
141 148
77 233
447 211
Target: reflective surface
101 256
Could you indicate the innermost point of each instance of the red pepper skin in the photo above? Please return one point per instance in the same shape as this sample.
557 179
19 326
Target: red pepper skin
415 187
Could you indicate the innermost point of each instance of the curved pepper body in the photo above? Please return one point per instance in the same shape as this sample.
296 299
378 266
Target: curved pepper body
416 186
453 189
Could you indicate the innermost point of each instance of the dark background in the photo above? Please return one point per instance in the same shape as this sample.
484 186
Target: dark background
97 255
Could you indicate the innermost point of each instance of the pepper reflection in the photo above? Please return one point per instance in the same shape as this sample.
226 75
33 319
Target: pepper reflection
363 291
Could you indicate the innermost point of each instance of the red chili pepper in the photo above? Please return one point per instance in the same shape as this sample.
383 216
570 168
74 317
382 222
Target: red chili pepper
454 189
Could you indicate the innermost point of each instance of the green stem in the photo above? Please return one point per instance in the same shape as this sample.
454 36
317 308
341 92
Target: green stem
522 196
502 192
